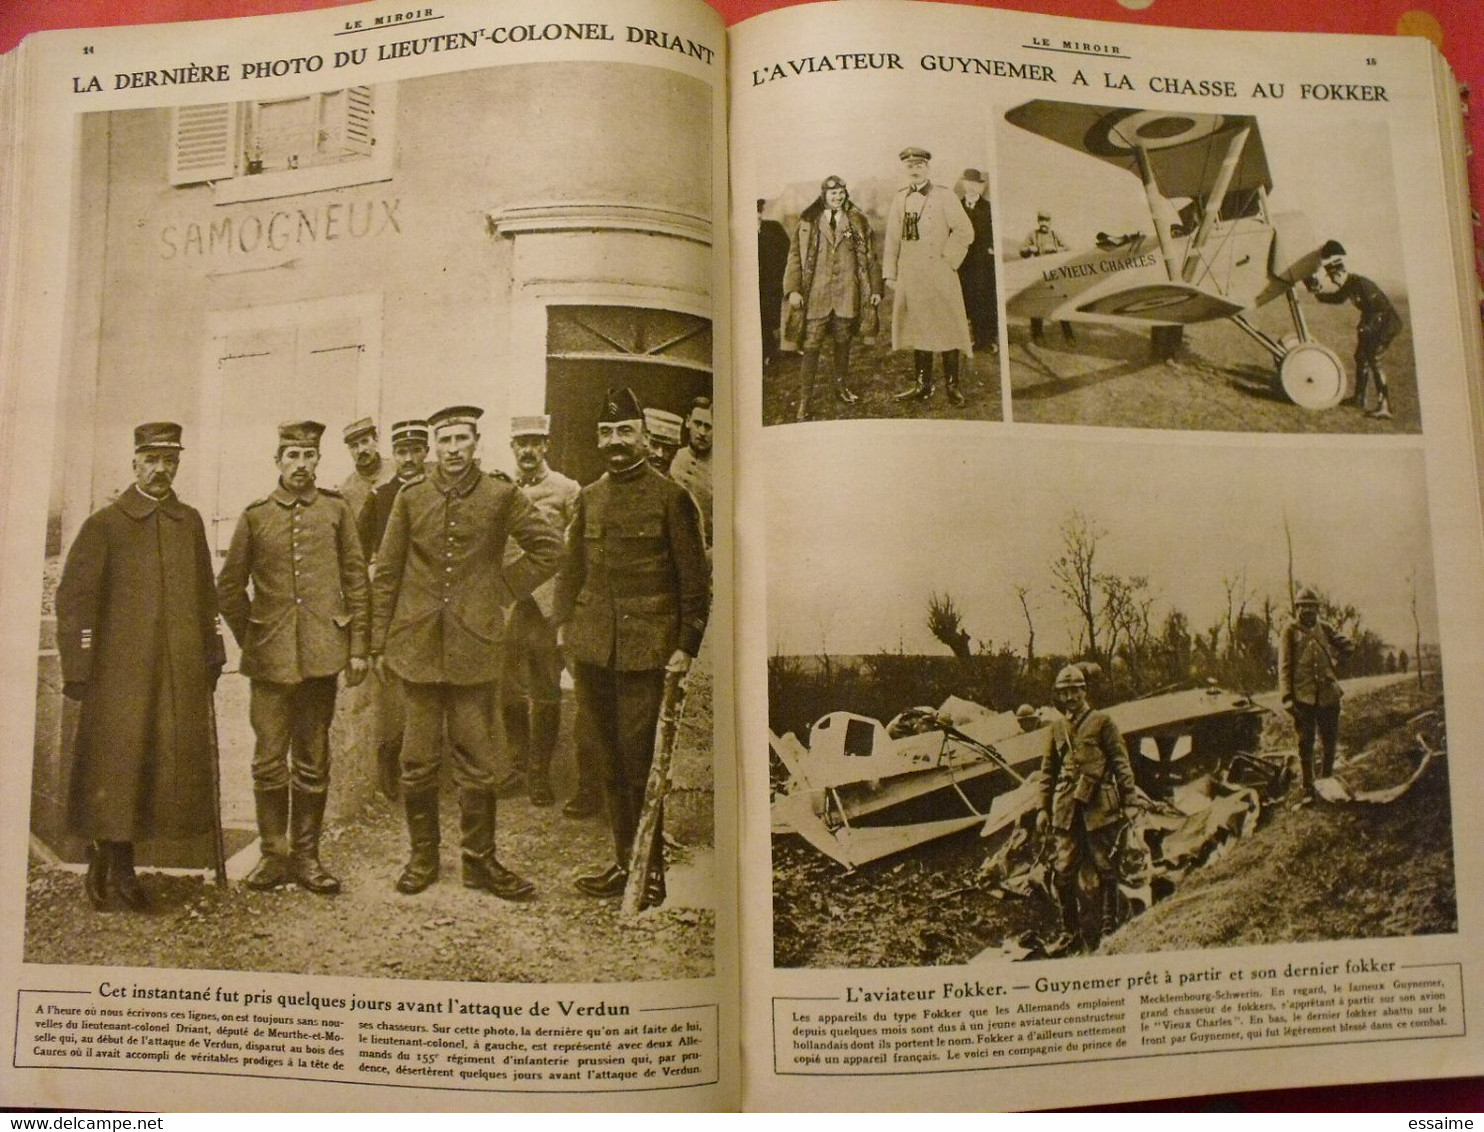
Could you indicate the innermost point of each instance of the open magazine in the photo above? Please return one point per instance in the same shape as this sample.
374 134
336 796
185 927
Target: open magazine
487 639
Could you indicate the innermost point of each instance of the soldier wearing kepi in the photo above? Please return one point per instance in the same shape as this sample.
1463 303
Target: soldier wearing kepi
633 597
136 629
305 620
1087 792
531 686
371 471
410 455
438 622
1308 681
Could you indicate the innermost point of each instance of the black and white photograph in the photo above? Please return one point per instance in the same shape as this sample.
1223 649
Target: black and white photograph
1136 699
1197 270
876 277
378 560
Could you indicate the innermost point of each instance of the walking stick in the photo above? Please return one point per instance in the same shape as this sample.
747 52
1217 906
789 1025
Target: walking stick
218 839
646 836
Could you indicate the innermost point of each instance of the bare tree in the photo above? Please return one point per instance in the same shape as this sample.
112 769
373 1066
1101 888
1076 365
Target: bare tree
946 623
1416 625
1021 592
1076 578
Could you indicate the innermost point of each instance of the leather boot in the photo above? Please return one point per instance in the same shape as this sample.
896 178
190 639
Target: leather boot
121 876
1109 894
273 834
604 884
477 842
843 391
950 377
808 367
95 882
308 818
1069 942
517 720
588 800
422 831
921 388
546 720
389 768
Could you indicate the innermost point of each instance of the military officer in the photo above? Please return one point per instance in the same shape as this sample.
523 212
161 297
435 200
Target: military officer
305 620
633 596
531 686
410 455
1087 789
371 471
136 629
438 623
1308 680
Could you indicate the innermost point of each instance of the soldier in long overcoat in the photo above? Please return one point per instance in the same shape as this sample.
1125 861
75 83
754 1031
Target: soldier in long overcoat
633 597
438 601
927 236
136 628
1087 790
293 591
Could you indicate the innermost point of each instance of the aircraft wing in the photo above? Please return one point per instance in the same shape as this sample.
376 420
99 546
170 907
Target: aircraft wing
1161 303
1185 149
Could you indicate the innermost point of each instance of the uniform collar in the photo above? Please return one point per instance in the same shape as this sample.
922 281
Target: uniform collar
923 190
539 477
630 473
375 472
461 486
137 505
286 498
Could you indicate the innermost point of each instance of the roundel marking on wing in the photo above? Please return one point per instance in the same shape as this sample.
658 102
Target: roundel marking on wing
1122 131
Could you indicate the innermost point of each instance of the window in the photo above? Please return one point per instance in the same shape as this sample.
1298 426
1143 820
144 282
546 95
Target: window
283 146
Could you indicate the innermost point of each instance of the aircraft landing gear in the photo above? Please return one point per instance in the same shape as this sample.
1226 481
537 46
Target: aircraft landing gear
1312 376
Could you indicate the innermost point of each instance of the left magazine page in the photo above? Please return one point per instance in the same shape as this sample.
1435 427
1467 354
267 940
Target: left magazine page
367 682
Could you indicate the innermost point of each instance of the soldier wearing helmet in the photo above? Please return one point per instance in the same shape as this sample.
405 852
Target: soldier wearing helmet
1309 652
1087 789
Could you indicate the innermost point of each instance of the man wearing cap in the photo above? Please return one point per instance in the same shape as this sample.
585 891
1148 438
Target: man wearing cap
293 591
833 284
371 471
927 236
1309 652
1087 792
691 467
531 683
441 581
410 456
1043 240
633 597
1378 326
976 273
1027 718
662 433
136 629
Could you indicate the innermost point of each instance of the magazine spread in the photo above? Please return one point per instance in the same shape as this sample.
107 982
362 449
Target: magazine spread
406 568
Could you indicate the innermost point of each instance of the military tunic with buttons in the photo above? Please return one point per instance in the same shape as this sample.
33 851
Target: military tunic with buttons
1086 782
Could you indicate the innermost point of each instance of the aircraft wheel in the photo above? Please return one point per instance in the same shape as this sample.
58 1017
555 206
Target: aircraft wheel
1312 376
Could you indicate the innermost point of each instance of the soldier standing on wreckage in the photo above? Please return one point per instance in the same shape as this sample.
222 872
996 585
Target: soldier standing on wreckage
306 620
531 682
1308 680
437 623
633 597
1087 793
136 629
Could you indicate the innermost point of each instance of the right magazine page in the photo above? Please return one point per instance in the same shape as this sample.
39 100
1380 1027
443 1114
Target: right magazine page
1109 560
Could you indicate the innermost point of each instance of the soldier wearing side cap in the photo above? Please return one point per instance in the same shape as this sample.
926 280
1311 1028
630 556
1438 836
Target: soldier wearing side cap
293 591
371 471
442 580
136 629
531 684
409 455
633 597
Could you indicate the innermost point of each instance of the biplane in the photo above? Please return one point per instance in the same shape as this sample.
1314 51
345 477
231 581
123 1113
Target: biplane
1220 254
862 790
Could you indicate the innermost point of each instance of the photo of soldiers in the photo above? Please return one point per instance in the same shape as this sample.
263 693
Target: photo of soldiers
976 273
691 467
371 471
531 680
833 285
662 429
1087 793
409 457
136 628
1308 678
1378 326
293 591
772 258
927 237
438 625
632 598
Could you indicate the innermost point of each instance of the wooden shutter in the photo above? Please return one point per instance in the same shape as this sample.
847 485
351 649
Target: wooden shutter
346 125
203 143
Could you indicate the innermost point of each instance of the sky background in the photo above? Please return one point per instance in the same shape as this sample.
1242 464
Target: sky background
976 512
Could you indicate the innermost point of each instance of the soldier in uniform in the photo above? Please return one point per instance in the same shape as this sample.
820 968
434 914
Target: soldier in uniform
531 686
1378 326
136 629
1043 240
633 597
305 621
691 468
662 433
371 471
437 623
1087 792
1308 680
410 455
